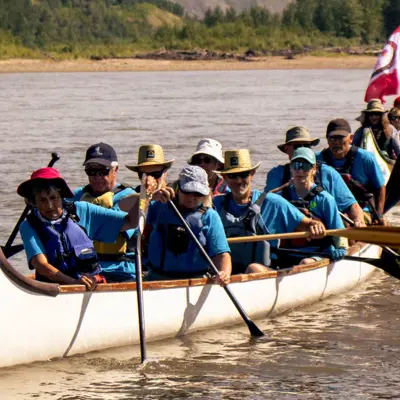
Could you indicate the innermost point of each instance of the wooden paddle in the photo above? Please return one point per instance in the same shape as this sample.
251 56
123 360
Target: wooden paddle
143 205
253 328
380 235
54 157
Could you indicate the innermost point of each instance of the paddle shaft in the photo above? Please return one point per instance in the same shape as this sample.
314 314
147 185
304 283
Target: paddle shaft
253 328
380 235
139 281
54 157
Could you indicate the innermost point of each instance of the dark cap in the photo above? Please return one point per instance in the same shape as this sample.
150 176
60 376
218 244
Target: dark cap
397 102
338 126
101 153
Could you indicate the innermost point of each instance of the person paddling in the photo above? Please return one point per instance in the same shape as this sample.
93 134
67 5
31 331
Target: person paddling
325 175
58 234
243 214
394 118
358 168
316 203
375 118
101 168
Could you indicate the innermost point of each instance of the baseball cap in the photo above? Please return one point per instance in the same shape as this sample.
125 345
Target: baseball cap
305 154
338 126
101 153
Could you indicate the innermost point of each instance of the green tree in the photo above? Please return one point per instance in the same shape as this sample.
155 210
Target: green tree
391 16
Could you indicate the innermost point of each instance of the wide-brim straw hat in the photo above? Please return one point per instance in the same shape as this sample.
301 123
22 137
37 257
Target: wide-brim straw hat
150 155
209 147
237 161
298 134
49 175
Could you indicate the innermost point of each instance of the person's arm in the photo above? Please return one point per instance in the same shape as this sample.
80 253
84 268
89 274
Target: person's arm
315 228
223 263
44 268
356 214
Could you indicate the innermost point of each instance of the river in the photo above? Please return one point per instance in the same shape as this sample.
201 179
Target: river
345 347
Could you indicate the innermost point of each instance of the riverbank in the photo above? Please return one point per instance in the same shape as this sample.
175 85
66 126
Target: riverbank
133 64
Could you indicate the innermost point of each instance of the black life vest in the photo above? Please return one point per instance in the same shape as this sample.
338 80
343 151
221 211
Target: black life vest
360 191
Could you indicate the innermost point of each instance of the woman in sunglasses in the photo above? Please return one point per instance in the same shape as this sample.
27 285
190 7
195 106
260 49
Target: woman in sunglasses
316 203
375 118
101 168
394 118
208 155
172 253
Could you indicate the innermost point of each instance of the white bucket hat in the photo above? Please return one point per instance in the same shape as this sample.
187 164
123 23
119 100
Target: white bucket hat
210 147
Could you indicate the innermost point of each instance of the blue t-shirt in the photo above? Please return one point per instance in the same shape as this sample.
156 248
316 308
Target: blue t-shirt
278 214
365 168
116 270
99 223
160 253
331 181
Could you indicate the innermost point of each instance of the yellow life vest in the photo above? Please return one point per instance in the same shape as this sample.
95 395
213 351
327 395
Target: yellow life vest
106 200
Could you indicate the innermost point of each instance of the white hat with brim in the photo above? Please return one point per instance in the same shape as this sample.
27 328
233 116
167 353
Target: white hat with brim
208 147
237 161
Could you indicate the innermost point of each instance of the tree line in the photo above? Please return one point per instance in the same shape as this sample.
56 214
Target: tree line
120 27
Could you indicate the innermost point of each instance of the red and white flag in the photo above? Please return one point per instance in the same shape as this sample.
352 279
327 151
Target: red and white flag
385 79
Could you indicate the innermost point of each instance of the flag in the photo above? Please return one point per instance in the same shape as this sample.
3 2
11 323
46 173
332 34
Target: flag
385 79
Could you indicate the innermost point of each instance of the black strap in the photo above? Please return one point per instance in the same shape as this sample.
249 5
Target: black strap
350 157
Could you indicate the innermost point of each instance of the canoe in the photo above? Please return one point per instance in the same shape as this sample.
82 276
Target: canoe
42 321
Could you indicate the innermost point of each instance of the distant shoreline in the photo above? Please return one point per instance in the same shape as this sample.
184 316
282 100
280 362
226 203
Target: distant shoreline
133 64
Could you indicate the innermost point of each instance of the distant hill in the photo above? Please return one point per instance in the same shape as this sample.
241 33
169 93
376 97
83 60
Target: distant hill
198 7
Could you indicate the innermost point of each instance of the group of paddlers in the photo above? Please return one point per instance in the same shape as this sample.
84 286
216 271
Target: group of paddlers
86 236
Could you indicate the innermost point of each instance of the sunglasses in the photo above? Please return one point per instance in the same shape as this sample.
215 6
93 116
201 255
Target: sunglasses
195 194
154 174
395 118
97 172
297 146
196 160
304 165
242 175
374 114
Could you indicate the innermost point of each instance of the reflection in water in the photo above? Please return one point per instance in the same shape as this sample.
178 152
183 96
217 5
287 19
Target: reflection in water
345 347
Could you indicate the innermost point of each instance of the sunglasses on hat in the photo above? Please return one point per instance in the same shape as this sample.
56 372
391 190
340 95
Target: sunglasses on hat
197 160
304 165
97 172
154 174
242 175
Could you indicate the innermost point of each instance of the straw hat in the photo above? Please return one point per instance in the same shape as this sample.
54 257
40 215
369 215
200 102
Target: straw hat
48 174
209 147
237 161
374 105
149 155
298 134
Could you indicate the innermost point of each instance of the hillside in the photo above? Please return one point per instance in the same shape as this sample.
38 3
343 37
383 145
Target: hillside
198 7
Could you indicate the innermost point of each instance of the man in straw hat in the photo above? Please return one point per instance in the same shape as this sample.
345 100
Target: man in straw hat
208 155
58 235
375 118
325 176
242 215
358 168
101 168
172 253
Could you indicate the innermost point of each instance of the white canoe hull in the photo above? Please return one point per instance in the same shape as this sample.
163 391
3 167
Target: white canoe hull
40 327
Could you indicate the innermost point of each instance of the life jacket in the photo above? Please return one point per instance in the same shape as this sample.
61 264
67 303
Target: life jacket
360 191
176 239
220 187
306 206
67 246
107 251
248 224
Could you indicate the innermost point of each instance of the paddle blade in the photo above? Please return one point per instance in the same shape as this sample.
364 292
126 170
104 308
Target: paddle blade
10 251
254 329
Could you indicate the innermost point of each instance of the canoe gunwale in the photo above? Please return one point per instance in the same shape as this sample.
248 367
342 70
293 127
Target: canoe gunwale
53 289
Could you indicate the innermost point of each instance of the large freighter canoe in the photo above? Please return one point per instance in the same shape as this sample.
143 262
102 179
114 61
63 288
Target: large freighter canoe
40 321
